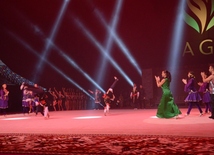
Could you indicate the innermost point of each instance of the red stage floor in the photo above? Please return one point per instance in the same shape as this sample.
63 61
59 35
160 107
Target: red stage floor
118 121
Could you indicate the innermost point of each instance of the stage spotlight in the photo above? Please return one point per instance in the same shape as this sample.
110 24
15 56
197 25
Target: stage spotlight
119 42
76 66
109 41
87 117
39 66
69 79
173 61
23 43
15 119
102 50
39 32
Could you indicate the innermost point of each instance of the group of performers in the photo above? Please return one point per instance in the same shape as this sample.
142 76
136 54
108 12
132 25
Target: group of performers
167 107
57 98
37 101
67 99
33 102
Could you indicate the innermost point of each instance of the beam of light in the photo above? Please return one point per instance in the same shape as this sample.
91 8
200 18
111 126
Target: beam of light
120 43
28 47
76 66
87 117
46 51
109 42
154 117
39 32
102 50
173 61
15 119
66 57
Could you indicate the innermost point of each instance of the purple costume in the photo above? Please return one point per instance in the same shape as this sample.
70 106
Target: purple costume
25 103
204 89
3 100
193 97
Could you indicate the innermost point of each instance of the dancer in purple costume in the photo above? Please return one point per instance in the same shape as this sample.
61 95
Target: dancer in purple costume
4 99
25 98
204 90
193 97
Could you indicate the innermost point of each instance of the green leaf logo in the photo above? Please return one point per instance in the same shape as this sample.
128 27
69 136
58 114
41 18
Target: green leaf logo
200 17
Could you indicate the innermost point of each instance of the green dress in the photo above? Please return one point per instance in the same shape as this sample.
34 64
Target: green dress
167 107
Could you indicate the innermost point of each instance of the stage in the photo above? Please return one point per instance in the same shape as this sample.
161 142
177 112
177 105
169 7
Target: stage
118 121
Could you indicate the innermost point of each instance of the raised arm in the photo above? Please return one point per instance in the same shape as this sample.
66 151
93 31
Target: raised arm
90 91
64 91
56 91
22 86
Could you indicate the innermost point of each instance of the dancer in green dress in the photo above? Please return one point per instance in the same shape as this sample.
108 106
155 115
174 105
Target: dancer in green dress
167 107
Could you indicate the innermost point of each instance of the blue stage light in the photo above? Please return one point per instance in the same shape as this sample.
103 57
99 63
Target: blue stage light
173 61
102 50
76 66
120 43
29 48
109 41
45 53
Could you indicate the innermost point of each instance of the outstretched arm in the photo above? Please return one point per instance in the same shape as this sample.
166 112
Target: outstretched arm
91 92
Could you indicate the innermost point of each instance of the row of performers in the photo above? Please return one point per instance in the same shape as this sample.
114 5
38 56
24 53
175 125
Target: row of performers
31 100
137 97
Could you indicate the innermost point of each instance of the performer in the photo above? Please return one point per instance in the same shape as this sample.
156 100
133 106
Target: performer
97 98
204 89
167 107
142 97
134 95
60 97
37 92
25 101
210 79
30 98
38 107
44 103
4 99
109 96
55 98
67 98
193 96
